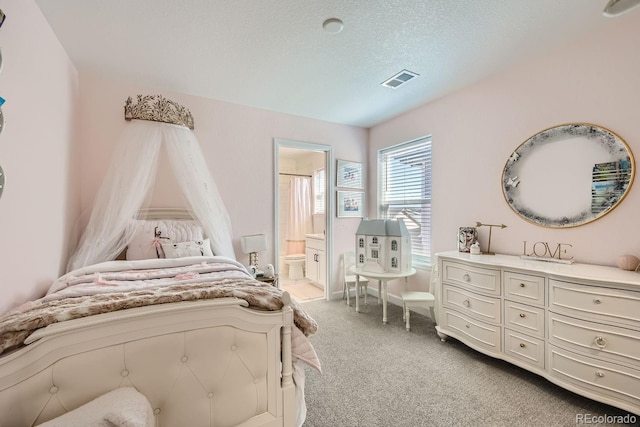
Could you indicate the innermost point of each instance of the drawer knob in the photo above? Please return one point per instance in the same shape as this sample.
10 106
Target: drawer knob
522 345
466 303
466 277
600 342
597 301
522 285
522 315
599 374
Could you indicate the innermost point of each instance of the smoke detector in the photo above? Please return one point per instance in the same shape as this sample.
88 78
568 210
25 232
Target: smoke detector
399 79
618 7
333 25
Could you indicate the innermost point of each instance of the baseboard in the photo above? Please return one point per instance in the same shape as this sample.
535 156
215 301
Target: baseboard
391 299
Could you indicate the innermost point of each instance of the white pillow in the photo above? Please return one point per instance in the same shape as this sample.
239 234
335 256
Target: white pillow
185 249
148 236
122 407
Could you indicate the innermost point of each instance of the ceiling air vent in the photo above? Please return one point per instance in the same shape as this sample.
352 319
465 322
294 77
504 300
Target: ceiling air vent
399 79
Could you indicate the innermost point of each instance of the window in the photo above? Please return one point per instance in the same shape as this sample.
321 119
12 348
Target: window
394 245
404 186
374 241
318 191
361 243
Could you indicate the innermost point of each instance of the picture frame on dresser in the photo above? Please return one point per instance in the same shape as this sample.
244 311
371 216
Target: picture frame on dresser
578 327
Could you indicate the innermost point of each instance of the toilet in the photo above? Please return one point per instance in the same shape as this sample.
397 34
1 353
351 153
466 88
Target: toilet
295 263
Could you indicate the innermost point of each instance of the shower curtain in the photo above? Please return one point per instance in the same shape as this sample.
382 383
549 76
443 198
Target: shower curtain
299 214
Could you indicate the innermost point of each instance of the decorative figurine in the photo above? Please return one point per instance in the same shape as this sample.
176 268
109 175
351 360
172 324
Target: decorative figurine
475 249
269 272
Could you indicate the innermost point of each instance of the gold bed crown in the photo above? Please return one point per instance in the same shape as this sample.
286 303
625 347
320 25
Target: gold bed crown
157 108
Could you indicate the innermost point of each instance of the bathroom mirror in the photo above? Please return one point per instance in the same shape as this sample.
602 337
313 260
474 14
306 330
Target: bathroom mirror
568 175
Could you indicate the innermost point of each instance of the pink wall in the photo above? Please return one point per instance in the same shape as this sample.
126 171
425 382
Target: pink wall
40 200
476 129
238 143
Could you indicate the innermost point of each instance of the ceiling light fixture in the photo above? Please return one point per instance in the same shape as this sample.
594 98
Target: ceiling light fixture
618 7
399 79
333 25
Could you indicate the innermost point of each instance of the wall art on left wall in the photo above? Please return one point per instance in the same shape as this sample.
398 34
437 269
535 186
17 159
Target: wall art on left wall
1 181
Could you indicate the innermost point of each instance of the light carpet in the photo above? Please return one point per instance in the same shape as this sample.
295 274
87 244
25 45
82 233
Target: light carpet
382 375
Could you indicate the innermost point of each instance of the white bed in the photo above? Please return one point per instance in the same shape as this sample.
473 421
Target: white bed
200 341
201 346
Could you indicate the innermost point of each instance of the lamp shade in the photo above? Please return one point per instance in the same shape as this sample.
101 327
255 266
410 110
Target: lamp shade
253 243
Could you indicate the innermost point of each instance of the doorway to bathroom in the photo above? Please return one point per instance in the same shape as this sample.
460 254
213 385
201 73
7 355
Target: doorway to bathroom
303 218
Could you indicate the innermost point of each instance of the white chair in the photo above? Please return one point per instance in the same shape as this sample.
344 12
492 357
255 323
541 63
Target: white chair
415 299
349 279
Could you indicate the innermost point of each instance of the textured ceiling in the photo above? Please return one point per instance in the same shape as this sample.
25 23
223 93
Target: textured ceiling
275 55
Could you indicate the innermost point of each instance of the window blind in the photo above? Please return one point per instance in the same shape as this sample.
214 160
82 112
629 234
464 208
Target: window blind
405 191
318 191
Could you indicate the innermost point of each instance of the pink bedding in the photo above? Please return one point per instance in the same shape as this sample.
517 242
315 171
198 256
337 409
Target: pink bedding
119 285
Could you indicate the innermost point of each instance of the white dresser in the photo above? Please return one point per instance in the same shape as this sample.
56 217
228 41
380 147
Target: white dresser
577 325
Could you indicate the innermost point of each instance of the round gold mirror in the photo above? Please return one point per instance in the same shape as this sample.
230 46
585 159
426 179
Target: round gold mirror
568 175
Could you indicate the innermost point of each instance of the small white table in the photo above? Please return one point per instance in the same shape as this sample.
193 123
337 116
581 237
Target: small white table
382 279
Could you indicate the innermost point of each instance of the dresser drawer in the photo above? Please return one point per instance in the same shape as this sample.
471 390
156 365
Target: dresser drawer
475 278
523 287
524 348
471 331
525 318
595 339
479 306
598 303
616 383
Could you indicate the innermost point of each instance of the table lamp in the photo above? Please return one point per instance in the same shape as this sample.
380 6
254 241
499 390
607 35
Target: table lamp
252 245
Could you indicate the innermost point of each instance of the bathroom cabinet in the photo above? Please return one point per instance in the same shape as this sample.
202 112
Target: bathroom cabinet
316 261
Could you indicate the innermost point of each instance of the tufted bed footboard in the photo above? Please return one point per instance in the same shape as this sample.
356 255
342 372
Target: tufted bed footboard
198 363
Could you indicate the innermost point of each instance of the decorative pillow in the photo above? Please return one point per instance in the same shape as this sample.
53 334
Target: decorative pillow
122 407
148 236
185 249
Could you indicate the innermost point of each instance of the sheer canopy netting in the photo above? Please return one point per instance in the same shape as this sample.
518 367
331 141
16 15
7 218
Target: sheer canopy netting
129 182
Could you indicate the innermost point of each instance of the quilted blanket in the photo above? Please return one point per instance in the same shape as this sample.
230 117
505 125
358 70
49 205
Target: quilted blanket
119 285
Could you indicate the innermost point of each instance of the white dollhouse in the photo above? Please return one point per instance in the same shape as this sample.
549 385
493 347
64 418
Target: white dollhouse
383 246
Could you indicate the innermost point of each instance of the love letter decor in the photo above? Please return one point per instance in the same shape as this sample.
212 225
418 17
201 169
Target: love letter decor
543 251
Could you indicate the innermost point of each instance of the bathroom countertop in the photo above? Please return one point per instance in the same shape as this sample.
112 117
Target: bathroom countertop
315 236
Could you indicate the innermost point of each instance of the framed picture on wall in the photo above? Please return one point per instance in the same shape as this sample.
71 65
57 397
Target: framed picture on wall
350 203
350 175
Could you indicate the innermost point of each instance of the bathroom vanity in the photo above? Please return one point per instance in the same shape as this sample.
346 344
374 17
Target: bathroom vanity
316 260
